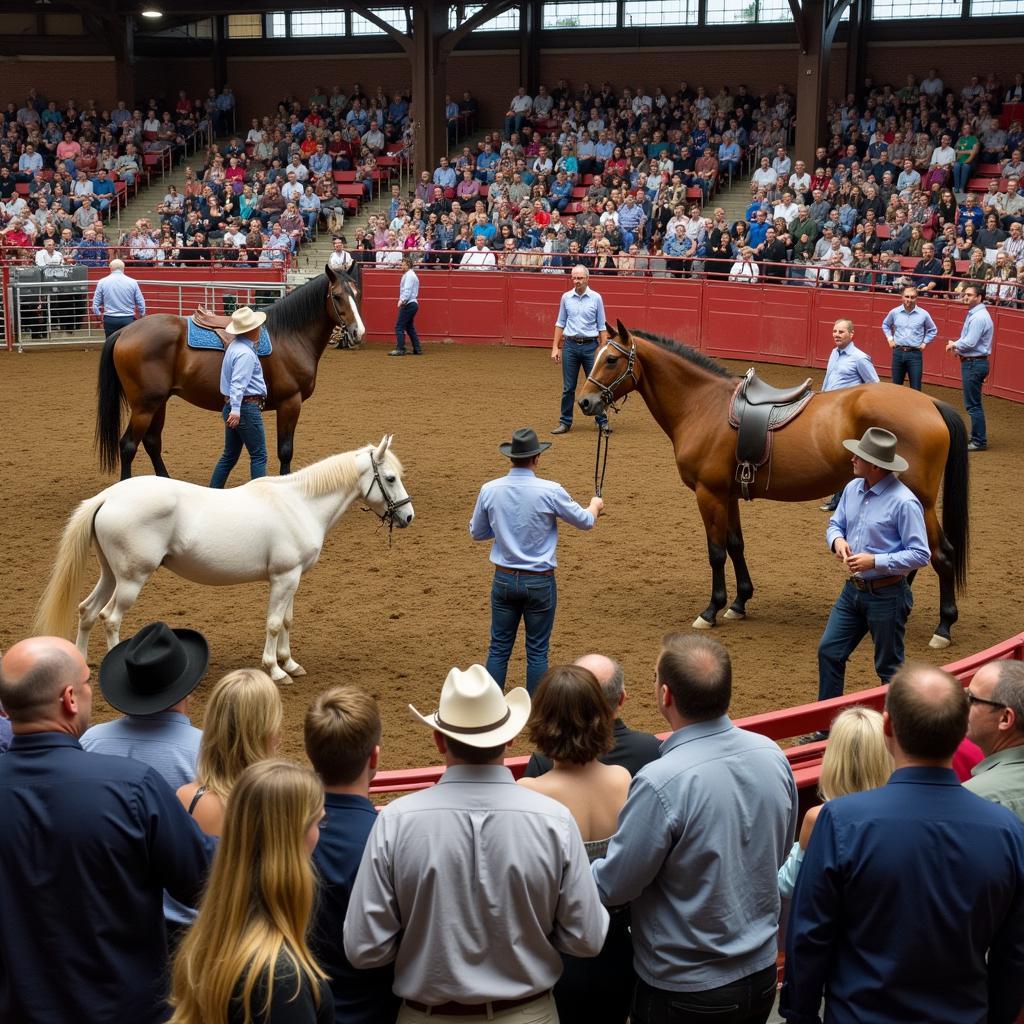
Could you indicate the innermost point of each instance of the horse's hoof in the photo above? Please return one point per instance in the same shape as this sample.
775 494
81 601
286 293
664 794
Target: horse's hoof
294 669
733 614
701 623
939 642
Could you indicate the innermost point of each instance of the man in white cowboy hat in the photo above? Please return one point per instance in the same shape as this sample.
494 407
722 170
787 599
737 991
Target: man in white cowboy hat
245 393
520 512
878 533
474 886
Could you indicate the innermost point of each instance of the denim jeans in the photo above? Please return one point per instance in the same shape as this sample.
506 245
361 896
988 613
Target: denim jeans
249 432
115 323
747 1001
576 356
972 375
404 325
907 364
961 175
882 613
532 599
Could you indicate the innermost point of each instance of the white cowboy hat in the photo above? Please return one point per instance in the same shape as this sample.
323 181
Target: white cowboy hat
244 320
474 711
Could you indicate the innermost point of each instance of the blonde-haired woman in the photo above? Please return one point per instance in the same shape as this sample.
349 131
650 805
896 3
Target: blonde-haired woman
856 759
246 959
242 725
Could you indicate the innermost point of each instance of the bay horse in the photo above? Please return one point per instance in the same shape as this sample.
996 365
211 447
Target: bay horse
688 394
139 524
147 362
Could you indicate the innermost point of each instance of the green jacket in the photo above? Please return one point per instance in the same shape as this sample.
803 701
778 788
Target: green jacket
1000 778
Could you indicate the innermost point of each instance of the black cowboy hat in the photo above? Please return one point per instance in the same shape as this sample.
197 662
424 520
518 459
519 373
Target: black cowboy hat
154 670
524 445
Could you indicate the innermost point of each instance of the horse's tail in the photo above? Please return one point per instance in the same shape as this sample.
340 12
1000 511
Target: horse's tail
57 606
109 401
955 492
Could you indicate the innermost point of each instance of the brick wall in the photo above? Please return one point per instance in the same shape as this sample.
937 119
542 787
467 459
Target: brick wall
60 77
955 62
491 77
156 78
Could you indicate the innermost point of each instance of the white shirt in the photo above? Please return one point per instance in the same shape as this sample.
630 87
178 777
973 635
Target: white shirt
49 259
340 260
800 182
943 156
787 213
477 259
764 176
521 105
743 272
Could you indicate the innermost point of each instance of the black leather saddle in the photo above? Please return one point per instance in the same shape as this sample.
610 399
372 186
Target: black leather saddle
757 410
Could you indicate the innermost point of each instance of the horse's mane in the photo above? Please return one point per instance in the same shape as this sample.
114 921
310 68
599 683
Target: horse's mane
690 354
335 473
299 307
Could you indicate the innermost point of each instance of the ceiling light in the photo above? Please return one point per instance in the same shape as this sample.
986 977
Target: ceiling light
151 12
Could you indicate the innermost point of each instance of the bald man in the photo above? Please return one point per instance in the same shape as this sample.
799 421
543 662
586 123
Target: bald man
87 845
632 749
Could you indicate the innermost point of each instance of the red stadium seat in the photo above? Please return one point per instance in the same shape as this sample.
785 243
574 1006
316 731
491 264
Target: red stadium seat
978 184
988 170
344 177
883 231
574 207
579 192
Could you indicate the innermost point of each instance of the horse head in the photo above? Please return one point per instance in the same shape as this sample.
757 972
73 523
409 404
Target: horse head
382 487
615 374
343 303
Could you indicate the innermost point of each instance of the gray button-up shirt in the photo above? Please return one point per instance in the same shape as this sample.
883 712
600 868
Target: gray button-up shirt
472 887
700 842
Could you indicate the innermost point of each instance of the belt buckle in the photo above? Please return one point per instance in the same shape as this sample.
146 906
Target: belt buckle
861 584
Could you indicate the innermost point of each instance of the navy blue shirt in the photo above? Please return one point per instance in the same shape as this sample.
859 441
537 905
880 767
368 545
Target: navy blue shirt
360 997
902 894
88 843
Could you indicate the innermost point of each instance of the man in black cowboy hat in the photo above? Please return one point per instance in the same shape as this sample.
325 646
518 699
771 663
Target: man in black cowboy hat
520 513
878 533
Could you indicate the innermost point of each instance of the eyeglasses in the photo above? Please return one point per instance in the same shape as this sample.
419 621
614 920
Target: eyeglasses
972 699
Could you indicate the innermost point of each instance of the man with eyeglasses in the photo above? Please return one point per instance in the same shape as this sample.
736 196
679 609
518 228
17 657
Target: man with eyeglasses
996 724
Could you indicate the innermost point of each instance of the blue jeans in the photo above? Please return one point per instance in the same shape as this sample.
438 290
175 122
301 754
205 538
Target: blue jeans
882 613
513 597
115 323
576 356
404 325
249 432
907 364
961 174
747 1001
972 375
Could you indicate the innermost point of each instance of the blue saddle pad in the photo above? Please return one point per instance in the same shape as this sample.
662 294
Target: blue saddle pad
200 337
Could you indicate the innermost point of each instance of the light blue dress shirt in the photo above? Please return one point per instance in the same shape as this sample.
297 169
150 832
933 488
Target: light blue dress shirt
847 367
241 374
886 521
409 291
581 315
914 329
118 295
520 512
976 337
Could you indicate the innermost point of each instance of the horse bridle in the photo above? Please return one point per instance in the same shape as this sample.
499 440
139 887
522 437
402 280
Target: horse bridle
607 391
391 506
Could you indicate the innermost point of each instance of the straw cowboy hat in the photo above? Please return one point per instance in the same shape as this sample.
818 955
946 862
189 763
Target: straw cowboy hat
244 320
474 711
878 447
524 445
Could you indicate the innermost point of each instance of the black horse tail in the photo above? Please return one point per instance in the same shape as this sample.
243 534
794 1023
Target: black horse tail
109 402
955 493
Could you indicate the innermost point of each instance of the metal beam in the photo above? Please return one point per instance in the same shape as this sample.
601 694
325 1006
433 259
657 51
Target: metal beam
798 20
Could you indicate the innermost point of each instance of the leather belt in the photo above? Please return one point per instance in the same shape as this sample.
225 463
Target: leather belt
579 338
472 1009
260 400
875 584
908 348
525 572
970 359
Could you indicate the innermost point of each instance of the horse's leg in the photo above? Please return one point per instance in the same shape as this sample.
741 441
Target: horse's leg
153 440
942 563
714 510
734 546
287 418
126 593
89 610
138 426
282 590
284 646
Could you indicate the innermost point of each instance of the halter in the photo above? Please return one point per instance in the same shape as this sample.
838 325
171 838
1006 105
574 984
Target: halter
391 506
342 322
608 390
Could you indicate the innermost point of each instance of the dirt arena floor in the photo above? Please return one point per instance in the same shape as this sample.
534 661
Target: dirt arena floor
394 621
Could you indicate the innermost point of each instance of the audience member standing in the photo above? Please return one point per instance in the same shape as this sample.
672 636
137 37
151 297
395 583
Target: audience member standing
118 299
87 846
908 328
342 734
474 886
910 902
408 307
700 841
973 348
520 513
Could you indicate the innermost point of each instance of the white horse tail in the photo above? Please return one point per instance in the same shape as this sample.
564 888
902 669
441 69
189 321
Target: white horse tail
59 603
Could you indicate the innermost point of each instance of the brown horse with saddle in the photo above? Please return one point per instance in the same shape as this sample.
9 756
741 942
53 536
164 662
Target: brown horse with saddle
147 362
738 437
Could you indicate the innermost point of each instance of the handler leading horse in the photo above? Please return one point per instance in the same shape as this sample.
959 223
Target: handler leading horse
689 393
143 364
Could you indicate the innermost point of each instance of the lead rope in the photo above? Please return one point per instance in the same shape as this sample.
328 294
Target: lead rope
601 461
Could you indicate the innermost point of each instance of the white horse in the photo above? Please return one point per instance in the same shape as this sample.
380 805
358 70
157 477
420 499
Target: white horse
268 529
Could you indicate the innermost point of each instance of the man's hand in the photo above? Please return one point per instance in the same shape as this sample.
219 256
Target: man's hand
596 506
892 342
841 549
951 346
556 354
860 563
234 418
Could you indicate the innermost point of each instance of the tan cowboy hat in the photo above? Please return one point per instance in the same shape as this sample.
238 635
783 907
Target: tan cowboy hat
244 319
474 711
878 447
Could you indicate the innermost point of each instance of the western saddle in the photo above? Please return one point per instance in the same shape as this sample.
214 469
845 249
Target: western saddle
215 322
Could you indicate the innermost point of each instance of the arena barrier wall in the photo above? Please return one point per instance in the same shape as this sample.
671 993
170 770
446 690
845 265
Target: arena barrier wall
771 323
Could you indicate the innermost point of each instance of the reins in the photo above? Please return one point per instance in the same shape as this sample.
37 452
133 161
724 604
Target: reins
601 461
608 399
391 506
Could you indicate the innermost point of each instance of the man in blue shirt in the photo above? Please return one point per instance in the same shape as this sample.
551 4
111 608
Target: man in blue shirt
520 513
878 533
87 846
245 393
117 299
342 735
408 307
581 326
973 348
908 329
909 905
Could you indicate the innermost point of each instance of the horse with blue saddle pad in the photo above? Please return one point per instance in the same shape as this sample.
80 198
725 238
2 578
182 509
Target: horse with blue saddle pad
145 363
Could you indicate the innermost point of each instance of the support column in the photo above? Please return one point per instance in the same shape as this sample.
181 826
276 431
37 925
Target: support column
856 48
529 45
812 81
220 52
429 74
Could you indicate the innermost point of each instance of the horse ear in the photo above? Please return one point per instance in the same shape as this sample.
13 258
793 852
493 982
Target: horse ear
382 448
611 330
329 271
623 333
